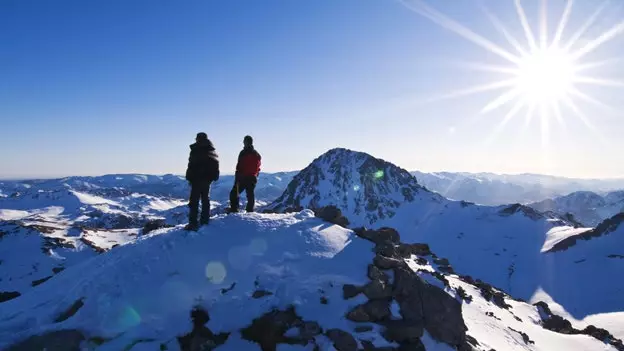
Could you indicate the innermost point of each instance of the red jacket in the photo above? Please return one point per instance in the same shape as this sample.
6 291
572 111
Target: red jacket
249 161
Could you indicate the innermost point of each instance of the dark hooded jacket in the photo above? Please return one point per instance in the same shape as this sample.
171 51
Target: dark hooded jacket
203 162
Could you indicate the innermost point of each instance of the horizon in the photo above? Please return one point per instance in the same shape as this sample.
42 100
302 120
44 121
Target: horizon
105 88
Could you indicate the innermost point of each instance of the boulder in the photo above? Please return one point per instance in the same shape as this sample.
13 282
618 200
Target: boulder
332 214
350 291
402 332
375 273
371 311
377 289
342 340
59 340
383 262
380 236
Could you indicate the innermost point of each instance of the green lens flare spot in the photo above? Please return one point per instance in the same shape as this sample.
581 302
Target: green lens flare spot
216 272
379 174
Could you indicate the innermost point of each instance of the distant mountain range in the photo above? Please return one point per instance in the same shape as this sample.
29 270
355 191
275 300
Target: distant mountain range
498 189
104 261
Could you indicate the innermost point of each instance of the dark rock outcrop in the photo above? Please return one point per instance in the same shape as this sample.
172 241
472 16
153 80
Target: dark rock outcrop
342 340
8 295
561 325
201 338
154 225
606 227
269 329
70 311
332 214
60 340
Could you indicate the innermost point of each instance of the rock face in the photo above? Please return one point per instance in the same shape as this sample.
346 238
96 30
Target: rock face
60 340
201 338
422 306
269 330
332 214
561 325
604 228
361 185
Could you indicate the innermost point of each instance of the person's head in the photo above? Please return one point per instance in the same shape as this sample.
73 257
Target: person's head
248 140
201 136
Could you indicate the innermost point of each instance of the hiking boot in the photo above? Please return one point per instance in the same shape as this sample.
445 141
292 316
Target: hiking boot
230 210
191 227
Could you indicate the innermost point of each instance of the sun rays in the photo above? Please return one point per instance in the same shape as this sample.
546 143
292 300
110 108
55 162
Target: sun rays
544 72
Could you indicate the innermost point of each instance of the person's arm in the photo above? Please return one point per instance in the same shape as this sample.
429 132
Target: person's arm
238 163
189 166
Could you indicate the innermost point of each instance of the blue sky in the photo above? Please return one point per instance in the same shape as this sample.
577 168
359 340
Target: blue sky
94 87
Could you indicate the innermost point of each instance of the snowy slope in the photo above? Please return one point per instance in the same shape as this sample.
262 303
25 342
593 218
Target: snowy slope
587 207
499 189
269 187
139 296
504 245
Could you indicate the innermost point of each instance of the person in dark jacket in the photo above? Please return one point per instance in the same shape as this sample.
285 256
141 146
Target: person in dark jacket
247 170
202 170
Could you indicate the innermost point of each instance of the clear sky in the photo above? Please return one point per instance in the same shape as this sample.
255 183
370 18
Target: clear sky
122 86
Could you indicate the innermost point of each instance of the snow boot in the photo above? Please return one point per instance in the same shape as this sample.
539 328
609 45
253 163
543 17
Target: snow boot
230 210
191 227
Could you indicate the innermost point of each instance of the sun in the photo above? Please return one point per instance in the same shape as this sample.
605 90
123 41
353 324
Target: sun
545 76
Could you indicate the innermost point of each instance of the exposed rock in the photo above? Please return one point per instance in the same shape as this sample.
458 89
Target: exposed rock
228 289
8 295
40 281
57 270
332 214
72 310
402 332
363 329
375 273
561 325
324 300
604 228
527 340
59 340
154 225
308 330
417 249
201 338
421 302
342 340
350 291
92 245
463 295
441 261
384 262
377 289
371 311
491 294
268 330
383 235
261 293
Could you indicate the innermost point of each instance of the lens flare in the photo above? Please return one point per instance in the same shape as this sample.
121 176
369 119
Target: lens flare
215 272
378 174
542 74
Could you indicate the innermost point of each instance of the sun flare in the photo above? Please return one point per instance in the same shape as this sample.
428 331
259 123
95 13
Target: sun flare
545 76
543 73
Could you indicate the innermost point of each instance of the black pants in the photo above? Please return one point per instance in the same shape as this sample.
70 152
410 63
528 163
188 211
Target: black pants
248 185
199 191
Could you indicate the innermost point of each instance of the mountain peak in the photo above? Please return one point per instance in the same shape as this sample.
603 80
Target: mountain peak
366 187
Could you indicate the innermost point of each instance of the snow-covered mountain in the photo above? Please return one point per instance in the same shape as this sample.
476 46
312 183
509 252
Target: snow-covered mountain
269 187
499 189
503 245
99 263
278 282
587 207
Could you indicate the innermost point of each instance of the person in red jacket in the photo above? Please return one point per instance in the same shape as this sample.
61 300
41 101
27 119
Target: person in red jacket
247 170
